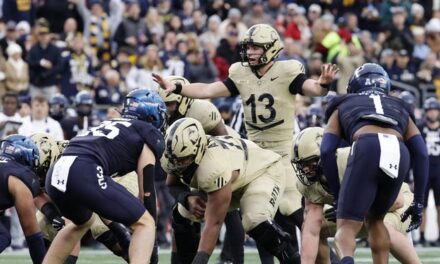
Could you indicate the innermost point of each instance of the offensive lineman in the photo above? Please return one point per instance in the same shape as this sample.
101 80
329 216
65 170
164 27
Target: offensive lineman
382 135
80 182
232 173
208 115
313 186
267 88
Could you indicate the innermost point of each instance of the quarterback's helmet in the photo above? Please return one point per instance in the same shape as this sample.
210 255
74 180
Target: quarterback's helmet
145 105
185 144
407 97
21 149
369 77
183 102
84 103
57 106
306 153
431 103
48 151
264 36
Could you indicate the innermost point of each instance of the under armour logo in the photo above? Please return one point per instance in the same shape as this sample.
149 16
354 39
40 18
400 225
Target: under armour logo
274 78
60 181
393 166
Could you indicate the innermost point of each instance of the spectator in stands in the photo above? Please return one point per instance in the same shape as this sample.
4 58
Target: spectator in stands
389 6
10 110
404 70
401 37
257 15
44 63
132 33
428 68
149 63
292 50
19 11
173 61
108 93
387 59
99 26
421 49
297 26
175 25
229 48
370 17
314 65
234 17
212 35
201 67
155 26
57 12
10 37
433 34
314 13
70 30
77 71
40 121
16 70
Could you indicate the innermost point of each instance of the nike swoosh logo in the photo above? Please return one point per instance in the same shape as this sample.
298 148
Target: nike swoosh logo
274 78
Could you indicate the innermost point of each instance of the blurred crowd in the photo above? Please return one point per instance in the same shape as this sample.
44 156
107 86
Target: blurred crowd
65 65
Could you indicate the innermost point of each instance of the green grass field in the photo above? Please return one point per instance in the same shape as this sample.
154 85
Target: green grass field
427 255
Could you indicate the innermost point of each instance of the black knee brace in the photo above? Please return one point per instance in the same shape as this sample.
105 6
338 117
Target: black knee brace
271 237
186 236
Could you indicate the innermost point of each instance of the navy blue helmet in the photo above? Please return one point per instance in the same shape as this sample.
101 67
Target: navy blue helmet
431 103
21 149
145 105
369 77
84 103
57 106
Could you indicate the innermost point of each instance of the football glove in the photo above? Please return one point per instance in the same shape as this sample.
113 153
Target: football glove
330 214
415 211
58 223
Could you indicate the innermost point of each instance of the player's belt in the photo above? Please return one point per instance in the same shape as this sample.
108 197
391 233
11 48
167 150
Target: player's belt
265 127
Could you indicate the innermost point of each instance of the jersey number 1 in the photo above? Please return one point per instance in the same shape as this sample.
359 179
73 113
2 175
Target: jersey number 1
377 103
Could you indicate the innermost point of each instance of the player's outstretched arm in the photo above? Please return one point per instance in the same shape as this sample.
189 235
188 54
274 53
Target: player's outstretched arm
321 86
193 90
313 218
216 209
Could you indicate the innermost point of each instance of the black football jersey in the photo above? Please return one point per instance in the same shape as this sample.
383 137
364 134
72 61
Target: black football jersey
358 110
12 168
117 144
432 140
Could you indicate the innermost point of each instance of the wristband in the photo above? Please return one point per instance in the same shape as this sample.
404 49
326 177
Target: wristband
178 89
325 86
201 258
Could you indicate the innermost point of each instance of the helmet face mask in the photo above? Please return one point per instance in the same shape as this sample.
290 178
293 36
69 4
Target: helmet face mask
48 152
306 155
57 106
84 103
185 145
265 37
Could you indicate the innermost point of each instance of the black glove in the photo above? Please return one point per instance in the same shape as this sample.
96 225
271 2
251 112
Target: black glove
58 223
415 211
330 214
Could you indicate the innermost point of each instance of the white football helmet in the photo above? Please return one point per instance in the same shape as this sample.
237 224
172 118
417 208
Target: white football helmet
48 150
183 102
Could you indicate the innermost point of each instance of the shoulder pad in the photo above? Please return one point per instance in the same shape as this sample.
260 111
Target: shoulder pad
333 105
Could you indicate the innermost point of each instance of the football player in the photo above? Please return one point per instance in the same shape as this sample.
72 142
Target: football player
430 129
19 156
267 88
80 182
382 135
232 173
208 115
313 186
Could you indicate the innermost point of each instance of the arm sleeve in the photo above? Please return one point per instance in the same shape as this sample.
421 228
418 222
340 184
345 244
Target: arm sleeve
295 86
420 159
330 143
229 83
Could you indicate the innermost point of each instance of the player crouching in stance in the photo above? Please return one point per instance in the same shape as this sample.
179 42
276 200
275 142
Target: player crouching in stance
382 135
19 158
234 173
80 182
313 186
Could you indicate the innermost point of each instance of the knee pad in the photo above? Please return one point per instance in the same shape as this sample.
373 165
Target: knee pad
186 236
277 242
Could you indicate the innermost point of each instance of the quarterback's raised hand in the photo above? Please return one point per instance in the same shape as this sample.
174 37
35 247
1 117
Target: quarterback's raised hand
328 73
168 86
415 211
